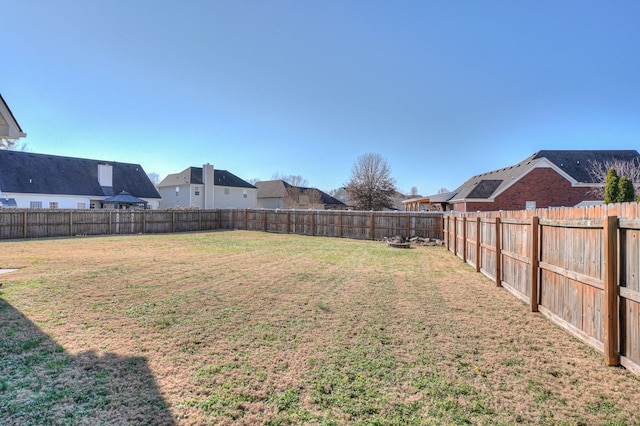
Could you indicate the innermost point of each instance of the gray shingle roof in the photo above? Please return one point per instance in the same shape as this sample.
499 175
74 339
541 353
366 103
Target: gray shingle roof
29 173
193 175
278 189
272 189
575 163
484 188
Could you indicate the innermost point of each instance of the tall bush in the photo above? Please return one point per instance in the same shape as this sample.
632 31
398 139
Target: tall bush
611 187
626 192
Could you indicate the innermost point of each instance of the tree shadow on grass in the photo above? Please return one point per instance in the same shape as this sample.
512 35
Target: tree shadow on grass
40 383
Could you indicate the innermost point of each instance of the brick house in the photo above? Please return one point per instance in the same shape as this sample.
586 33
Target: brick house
547 178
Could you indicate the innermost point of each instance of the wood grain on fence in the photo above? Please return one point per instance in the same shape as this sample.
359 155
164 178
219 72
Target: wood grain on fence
580 267
328 223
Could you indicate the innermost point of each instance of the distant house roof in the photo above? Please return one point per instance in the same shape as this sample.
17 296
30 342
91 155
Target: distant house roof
279 188
573 164
193 175
441 197
272 188
29 173
9 126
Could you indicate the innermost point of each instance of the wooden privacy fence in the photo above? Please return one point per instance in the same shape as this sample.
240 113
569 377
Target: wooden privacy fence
336 223
29 223
579 267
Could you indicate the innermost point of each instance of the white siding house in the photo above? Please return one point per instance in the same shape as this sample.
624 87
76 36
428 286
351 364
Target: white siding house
207 188
55 182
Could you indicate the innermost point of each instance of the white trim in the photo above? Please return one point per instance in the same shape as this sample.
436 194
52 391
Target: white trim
12 129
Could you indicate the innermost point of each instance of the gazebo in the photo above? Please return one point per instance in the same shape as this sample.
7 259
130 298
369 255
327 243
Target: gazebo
124 200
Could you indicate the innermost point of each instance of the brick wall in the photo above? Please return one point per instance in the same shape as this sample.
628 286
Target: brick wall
542 185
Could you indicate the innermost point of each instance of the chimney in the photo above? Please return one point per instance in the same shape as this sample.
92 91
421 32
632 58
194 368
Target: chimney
105 175
208 180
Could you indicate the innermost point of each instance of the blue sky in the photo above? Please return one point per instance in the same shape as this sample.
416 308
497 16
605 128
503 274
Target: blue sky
442 89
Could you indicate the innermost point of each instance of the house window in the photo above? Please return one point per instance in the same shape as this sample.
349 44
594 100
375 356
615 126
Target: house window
53 205
93 205
82 206
177 191
196 191
530 205
35 205
244 193
226 191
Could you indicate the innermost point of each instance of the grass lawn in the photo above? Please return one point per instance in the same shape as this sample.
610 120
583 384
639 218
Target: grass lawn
254 328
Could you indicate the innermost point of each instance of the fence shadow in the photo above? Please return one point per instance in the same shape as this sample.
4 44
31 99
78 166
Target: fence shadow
41 383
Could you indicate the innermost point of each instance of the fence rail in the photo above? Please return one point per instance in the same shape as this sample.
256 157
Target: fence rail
29 223
579 267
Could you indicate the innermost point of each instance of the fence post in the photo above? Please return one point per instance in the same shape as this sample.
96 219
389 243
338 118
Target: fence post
71 224
372 227
455 235
288 222
535 263
408 225
24 224
340 224
611 312
464 238
313 223
445 231
264 223
478 243
246 220
110 223
498 254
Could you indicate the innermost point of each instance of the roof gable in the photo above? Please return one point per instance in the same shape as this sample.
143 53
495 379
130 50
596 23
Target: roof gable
29 173
9 127
577 163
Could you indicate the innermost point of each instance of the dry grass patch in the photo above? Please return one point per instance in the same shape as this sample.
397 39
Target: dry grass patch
255 328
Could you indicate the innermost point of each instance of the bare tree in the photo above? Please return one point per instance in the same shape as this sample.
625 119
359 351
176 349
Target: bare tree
154 178
310 198
302 198
295 180
414 191
442 190
14 145
371 186
292 198
598 171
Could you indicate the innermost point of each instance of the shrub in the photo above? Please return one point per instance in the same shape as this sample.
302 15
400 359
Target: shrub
611 187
